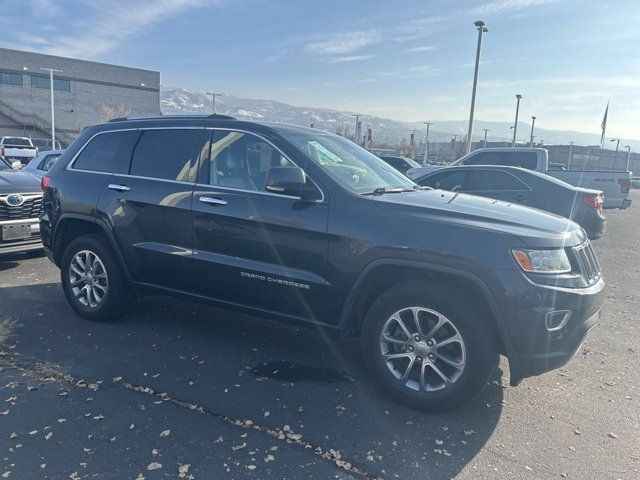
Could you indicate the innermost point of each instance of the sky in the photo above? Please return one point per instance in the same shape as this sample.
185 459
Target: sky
411 60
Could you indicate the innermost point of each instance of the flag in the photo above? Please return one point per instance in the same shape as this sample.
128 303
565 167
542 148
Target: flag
603 126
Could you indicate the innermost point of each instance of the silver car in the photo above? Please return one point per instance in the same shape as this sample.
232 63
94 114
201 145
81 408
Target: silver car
41 163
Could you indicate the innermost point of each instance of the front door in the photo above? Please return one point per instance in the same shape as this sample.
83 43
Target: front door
252 247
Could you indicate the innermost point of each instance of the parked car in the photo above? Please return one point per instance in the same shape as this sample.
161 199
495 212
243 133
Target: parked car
614 185
525 187
305 226
45 144
402 164
42 163
20 208
635 182
17 148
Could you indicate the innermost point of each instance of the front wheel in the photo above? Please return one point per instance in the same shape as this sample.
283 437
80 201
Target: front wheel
93 281
428 349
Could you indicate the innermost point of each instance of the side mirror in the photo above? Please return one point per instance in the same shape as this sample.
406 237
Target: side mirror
16 165
288 181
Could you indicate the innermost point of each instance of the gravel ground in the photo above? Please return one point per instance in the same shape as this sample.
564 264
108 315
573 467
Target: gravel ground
182 390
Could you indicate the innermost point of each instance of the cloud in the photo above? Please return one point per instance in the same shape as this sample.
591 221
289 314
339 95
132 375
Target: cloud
423 48
504 6
112 23
351 58
345 42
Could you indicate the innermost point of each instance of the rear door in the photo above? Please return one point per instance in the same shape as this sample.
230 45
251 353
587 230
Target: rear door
253 247
149 206
497 184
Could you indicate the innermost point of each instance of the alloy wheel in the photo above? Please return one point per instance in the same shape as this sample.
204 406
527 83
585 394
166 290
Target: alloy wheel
88 278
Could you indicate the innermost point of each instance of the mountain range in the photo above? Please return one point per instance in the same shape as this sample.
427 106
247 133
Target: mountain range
179 101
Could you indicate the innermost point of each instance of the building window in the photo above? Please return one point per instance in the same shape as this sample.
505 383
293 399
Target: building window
11 79
43 82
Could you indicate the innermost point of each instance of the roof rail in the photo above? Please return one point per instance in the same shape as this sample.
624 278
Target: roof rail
214 116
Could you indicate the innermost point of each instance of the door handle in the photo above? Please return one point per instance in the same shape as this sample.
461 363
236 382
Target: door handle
119 188
213 201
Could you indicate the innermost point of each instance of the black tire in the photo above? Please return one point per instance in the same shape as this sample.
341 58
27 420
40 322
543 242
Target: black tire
119 296
480 355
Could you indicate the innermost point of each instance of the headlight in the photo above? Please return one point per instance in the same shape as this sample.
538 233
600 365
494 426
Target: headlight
543 261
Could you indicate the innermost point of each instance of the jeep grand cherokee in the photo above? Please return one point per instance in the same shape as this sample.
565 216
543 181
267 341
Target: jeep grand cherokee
302 225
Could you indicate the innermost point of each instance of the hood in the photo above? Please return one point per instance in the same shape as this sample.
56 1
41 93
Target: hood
534 227
15 181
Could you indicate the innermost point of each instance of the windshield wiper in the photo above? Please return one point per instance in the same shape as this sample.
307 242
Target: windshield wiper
383 190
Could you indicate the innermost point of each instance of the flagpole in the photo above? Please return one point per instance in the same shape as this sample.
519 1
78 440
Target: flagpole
604 126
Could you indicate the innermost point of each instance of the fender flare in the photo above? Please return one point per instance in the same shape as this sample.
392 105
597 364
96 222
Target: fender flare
105 229
347 308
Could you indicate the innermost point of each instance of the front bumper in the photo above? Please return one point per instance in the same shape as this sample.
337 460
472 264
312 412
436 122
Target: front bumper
22 245
537 344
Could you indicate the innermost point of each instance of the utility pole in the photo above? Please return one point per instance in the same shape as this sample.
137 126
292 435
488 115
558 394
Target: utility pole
515 125
485 130
213 101
628 147
570 155
412 143
480 25
425 159
53 114
615 155
533 122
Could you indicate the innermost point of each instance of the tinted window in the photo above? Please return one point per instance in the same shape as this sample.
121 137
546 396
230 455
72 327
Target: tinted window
107 152
492 180
449 180
528 160
23 142
163 154
45 82
11 79
241 160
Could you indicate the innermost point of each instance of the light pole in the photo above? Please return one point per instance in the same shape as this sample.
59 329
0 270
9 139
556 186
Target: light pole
53 114
628 147
213 101
485 130
515 125
480 25
570 155
615 155
533 122
356 133
426 144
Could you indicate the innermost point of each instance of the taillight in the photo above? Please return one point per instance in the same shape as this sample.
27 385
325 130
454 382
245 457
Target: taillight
2 151
595 201
45 182
625 184
37 151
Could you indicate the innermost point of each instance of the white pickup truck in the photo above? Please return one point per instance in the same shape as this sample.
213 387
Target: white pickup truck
17 148
614 184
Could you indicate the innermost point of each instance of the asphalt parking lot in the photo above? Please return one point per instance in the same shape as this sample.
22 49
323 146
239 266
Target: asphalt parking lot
182 390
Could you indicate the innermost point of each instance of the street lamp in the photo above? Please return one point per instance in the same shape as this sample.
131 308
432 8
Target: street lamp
53 115
426 145
628 147
515 125
485 130
480 25
570 155
356 133
533 122
615 155
213 101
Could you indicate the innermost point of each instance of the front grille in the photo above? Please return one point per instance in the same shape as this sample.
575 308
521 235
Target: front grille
587 262
30 208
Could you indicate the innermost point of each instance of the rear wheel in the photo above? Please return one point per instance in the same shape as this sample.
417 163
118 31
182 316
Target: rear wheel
92 280
428 349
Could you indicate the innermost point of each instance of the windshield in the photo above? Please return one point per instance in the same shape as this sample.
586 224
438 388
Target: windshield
4 166
351 166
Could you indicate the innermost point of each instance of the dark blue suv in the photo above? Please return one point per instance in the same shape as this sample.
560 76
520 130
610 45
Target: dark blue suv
305 226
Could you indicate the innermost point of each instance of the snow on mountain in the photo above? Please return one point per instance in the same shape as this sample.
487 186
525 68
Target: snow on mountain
179 101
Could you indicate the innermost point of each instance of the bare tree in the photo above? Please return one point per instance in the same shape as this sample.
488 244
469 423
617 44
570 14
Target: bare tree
109 112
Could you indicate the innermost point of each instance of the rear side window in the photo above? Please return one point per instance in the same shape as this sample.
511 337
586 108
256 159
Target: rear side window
108 152
492 180
528 160
164 154
48 162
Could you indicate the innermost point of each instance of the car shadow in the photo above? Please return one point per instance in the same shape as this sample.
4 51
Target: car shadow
242 368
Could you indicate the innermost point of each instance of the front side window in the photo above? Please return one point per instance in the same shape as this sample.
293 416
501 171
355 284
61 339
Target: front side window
451 181
491 180
351 166
108 152
240 160
164 154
